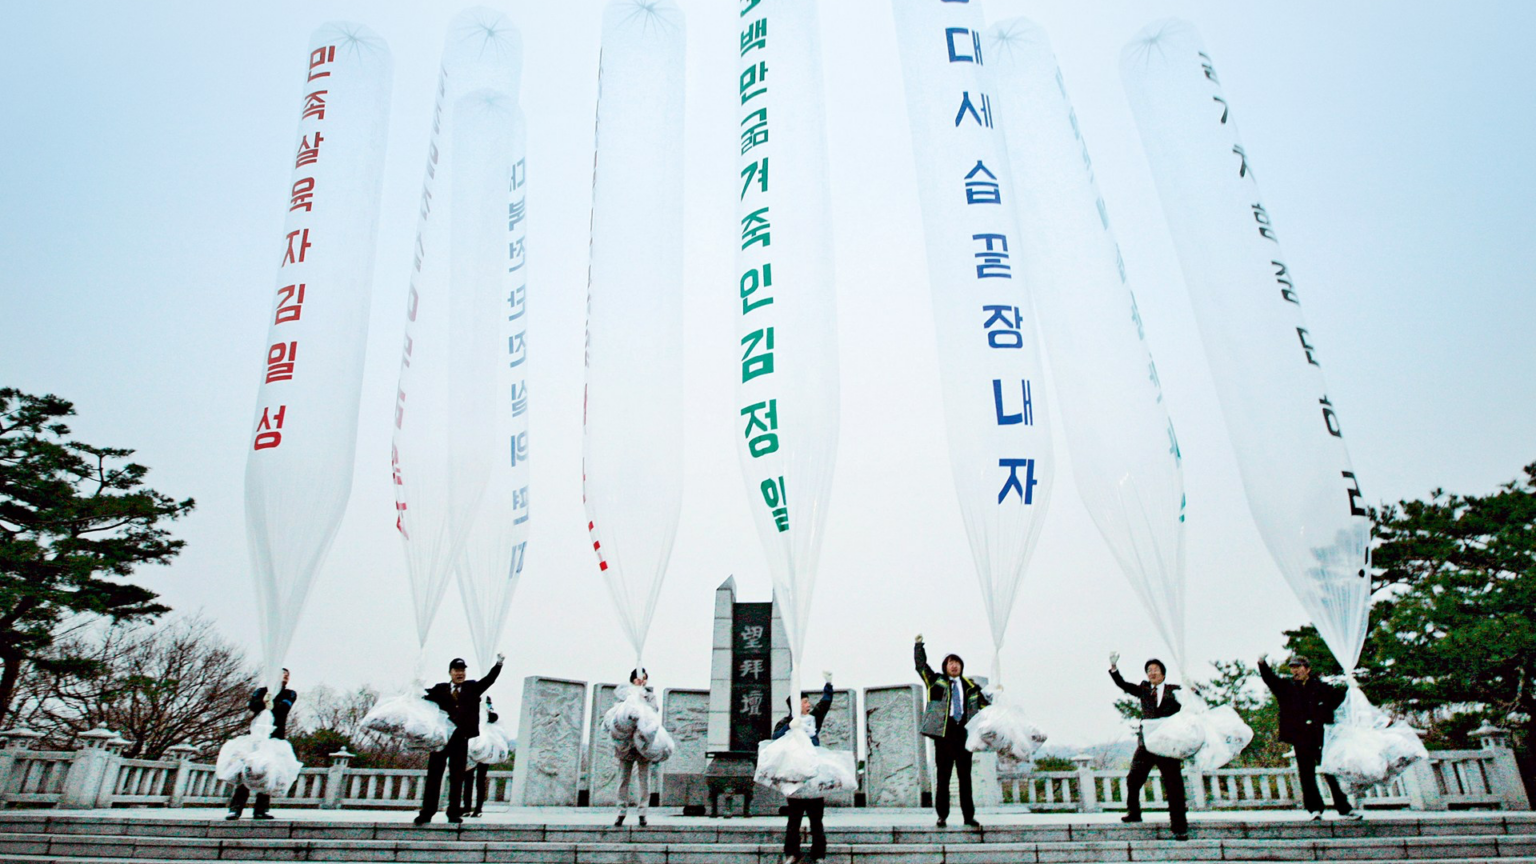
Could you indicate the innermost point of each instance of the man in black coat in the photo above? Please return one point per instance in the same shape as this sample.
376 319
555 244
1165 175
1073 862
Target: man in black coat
281 704
1157 702
459 697
953 700
811 808
478 779
1306 706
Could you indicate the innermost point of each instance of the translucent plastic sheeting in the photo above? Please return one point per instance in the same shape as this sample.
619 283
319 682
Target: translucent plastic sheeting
1364 747
1210 737
1002 728
1125 454
489 403
989 362
632 454
1266 365
298 472
257 761
799 769
440 463
787 385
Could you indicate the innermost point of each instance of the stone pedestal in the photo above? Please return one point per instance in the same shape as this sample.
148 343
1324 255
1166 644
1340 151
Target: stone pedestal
896 763
685 713
549 743
838 733
602 774
764 801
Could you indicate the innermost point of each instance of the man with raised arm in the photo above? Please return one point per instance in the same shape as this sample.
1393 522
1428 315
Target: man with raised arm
953 700
812 808
1157 702
459 697
280 704
1306 706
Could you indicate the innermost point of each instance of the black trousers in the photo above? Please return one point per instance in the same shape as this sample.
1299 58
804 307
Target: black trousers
454 757
949 753
813 808
264 801
1307 758
1173 787
476 780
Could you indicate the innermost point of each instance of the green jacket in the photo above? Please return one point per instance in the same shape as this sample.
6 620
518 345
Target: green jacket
936 713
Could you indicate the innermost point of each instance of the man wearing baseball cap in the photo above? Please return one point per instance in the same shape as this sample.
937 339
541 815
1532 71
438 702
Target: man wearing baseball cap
459 697
1306 705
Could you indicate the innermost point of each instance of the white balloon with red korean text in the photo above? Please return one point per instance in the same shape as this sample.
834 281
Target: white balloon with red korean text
632 442
1264 360
989 362
298 473
787 368
1125 454
439 462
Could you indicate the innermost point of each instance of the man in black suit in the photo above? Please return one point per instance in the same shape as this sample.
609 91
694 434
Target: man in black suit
953 700
478 780
1306 705
1157 702
281 704
459 696
812 808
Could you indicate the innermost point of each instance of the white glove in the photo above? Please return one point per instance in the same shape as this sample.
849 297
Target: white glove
1114 659
827 677
500 658
919 638
268 700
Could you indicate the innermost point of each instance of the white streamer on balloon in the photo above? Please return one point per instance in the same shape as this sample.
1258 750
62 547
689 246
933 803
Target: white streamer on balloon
488 320
989 361
298 473
1125 454
632 456
440 465
787 386
1265 363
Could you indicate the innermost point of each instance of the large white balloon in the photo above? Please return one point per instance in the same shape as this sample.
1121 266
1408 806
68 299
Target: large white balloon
298 472
787 386
1265 363
1125 455
989 362
440 467
488 319
632 455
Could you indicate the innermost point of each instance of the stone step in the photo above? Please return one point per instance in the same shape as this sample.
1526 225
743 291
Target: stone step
762 832
75 847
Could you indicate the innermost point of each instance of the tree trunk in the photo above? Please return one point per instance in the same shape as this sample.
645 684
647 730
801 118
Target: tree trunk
10 670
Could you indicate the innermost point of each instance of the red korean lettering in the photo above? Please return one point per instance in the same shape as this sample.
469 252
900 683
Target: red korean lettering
320 57
295 253
302 195
314 105
309 153
290 303
280 361
267 430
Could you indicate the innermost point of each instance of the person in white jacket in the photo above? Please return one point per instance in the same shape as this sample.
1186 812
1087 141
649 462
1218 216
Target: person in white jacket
630 760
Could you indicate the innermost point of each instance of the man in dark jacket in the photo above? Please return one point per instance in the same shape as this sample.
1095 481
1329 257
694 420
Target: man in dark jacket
281 704
1306 706
1157 702
812 808
459 697
478 779
953 700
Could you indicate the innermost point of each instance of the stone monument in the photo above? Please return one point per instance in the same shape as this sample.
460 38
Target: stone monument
685 714
749 683
602 774
839 732
896 763
549 733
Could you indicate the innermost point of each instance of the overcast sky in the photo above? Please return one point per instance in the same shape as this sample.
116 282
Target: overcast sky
145 152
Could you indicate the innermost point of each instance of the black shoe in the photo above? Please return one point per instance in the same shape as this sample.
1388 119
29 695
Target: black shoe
1180 836
1352 816
455 820
972 823
422 820
619 822
1129 818
232 816
1317 816
642 821
942 823
262 815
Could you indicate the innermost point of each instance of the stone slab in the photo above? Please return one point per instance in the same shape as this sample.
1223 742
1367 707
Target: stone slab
685 714
602 766
895 766
839 732
549 739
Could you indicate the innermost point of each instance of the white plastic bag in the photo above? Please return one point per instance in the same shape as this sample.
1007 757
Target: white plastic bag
652 741
1001 728
635 727
1178 737
1211 737
623 718
1225 736
1364 747
800 769
420 724
492 746
257 761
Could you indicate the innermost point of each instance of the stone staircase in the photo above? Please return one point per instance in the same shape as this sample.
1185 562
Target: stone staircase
41 836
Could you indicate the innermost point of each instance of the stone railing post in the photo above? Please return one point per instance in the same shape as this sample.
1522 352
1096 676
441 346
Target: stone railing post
1503 772
1087 786
12 740
336 780
183 754
1194 787
92 776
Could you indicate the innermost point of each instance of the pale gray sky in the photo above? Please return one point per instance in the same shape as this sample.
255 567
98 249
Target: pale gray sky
144 157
